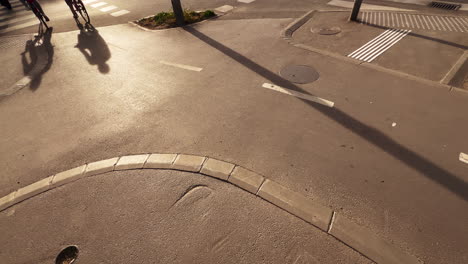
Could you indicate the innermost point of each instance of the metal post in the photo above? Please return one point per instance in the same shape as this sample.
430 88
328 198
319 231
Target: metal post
178 12
355 12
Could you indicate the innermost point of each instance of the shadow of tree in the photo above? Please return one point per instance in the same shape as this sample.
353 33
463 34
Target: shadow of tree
374 136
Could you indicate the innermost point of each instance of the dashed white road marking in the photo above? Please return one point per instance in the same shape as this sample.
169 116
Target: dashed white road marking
99 4
182 66
224 8
89 1
246 1
463 157
120 13
308 97
108 8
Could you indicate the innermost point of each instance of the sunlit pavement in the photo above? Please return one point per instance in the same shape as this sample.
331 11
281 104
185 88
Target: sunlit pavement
386 155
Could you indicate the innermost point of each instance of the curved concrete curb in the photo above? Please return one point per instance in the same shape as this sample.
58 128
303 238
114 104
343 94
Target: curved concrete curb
289 30
322 217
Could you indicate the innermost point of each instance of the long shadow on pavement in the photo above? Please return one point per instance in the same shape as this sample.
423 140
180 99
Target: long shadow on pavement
374 136
94 48
41 57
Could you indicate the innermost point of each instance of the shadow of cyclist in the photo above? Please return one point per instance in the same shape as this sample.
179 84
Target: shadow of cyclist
94 48
38 56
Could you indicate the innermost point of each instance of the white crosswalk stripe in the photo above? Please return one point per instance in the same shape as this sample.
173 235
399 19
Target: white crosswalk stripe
374 48
415 21
120 13
104 7
18 18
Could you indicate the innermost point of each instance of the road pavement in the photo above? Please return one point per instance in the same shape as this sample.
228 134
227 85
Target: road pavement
161 217
386 155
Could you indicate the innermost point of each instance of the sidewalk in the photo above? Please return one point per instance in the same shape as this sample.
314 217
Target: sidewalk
430 47
401 181
161 217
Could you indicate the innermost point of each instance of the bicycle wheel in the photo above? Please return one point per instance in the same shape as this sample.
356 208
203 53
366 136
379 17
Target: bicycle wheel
80 8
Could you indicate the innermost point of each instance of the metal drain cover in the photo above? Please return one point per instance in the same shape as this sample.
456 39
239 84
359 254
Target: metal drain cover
329 31
67 256
299 74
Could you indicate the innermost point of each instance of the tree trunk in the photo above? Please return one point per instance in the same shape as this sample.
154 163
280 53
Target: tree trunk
178 12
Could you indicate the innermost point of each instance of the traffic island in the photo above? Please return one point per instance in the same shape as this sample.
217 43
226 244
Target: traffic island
165 20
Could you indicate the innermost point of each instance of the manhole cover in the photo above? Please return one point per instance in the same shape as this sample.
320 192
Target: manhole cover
299 74
328 31
67 255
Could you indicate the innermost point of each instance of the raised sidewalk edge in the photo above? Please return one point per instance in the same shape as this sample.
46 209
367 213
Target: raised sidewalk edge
293 26
287 33
360 239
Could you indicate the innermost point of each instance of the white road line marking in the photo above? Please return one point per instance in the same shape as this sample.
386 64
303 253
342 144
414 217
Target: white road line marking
389 45
420 21
413 21
416 18
120 13
108 8
308 97
456 24
449 23
17 19
99 4
463 157
461 23
224 8
390 34
408 23
429 24
246 1
182 66
378 45
435 22
376 48
370 43
9 29
89 1
440 23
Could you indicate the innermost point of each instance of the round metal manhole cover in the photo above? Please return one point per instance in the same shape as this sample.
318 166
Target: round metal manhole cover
327 31
67 256
299 74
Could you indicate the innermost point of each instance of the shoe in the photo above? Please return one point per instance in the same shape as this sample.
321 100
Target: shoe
47 18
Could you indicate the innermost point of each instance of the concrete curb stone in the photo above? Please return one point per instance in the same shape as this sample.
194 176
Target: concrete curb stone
297 204
33 189
293 26
188 163
68 176
366 242
245 179
353 235
131 162
101 166
160 161
218 169
7 200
